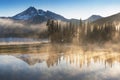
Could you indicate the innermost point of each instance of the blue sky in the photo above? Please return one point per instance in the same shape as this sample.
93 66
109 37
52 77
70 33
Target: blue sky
68 8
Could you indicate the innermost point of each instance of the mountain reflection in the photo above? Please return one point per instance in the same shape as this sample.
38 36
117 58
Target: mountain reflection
71 56
58 62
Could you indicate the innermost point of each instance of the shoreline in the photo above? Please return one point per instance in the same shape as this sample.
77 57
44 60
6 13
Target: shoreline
22 43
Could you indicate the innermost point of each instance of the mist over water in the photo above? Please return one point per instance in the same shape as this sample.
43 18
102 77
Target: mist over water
56 62
38 44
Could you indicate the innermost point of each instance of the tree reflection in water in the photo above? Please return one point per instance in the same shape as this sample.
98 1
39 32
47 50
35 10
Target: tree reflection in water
52 54
63 62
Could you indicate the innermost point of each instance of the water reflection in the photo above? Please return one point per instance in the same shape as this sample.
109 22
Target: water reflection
60 63
76 59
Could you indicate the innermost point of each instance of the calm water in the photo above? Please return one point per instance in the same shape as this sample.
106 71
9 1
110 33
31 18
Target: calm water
56 62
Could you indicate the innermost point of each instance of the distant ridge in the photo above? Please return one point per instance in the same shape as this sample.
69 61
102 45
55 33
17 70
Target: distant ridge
33 15
93 18
110 19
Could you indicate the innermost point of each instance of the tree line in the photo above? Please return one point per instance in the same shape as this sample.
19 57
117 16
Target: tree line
81 32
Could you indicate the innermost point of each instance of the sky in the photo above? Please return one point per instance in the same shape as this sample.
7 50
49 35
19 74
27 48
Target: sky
67 8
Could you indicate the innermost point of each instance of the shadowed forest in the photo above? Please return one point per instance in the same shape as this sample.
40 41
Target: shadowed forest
82 32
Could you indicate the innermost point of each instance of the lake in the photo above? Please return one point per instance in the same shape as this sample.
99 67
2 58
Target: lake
57 62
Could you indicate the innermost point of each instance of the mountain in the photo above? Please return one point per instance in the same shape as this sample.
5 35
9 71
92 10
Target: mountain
37 15
93 18
27 14
90 19
110 19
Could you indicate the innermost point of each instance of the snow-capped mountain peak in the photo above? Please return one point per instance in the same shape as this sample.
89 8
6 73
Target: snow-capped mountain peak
27 14
33 14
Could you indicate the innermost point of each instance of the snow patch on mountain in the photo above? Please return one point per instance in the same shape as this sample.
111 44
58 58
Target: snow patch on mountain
27 14
32 12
